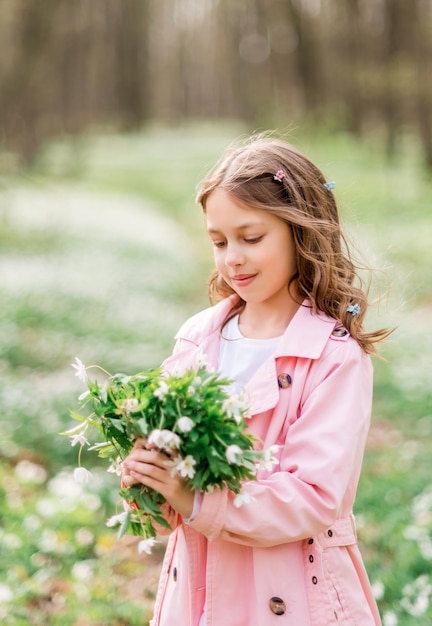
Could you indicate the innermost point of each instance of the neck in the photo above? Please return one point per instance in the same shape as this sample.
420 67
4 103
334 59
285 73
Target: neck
263 322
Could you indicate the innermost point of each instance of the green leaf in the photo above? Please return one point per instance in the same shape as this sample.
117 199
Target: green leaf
77 416
125 525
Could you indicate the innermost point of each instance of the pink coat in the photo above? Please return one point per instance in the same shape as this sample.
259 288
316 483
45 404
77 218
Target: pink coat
290 558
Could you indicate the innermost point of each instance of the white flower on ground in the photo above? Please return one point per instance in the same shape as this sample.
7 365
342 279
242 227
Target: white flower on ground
378 589
80 370
390 618
185 424
234 407
116 520
184 467
269 459
231 453
244 497
164 440
130 405
6 593
416 596
81 475
162 390
146 545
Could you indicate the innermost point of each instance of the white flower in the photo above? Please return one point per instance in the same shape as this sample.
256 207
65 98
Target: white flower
164 440
185 424
184 467
269 459
234 407
116 520
244 497
146 545
27 471
83 395
79 438
378 589
201 360
115 468
162 390
6 593
130 405
390 619
81 371
81 475
231 453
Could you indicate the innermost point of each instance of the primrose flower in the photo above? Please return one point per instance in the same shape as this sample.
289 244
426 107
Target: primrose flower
231 453
162 390
184 467
269 459
115 468
80 370
116 520
201 359
164 440
146 545
79 438
130 405
81 475
185 424
244 497
234 406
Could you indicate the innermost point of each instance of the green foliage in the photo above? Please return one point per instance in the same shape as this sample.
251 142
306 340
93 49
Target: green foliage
190 418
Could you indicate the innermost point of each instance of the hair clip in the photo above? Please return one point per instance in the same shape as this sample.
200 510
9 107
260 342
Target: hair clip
354 309
279 176
330 185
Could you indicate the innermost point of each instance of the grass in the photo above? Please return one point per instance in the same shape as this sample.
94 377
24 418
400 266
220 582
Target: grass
103 256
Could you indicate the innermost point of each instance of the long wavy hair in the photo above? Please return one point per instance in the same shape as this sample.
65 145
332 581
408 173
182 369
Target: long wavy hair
326 273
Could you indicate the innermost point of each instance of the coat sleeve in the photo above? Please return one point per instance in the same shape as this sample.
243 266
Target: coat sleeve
319 465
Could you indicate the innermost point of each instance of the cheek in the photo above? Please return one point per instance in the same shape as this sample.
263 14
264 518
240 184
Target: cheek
219 260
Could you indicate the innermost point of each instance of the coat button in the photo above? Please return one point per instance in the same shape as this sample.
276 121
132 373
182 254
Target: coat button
314 580
310 542
340 331
284 380
311 559
330 533
277 605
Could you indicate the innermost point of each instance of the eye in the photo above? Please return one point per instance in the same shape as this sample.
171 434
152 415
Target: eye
254 239
219 244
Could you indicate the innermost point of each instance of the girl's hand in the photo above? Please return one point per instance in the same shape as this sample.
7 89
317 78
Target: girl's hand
148 467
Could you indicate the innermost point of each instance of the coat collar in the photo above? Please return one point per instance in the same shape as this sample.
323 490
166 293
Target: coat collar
305 336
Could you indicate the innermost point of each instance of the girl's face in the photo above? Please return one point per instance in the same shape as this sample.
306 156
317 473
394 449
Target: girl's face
253 249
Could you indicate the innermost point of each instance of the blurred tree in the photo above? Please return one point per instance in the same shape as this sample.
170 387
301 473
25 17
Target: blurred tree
67 67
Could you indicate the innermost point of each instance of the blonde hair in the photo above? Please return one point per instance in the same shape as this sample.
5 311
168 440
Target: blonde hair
326 273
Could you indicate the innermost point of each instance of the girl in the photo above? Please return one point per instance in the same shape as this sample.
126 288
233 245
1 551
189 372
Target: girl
287 327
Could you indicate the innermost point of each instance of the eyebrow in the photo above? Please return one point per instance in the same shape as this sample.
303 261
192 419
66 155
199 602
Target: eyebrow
241 227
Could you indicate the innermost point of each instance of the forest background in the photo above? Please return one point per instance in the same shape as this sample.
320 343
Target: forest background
110 114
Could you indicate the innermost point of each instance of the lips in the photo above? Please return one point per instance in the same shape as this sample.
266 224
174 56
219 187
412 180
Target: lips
243 280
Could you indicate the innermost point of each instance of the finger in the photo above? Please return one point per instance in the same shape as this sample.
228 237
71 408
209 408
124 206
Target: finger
153 457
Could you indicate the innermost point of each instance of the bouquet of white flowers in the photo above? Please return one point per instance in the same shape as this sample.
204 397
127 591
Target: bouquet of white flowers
189 417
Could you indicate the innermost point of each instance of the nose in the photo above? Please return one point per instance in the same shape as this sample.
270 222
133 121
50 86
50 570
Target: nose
234 256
